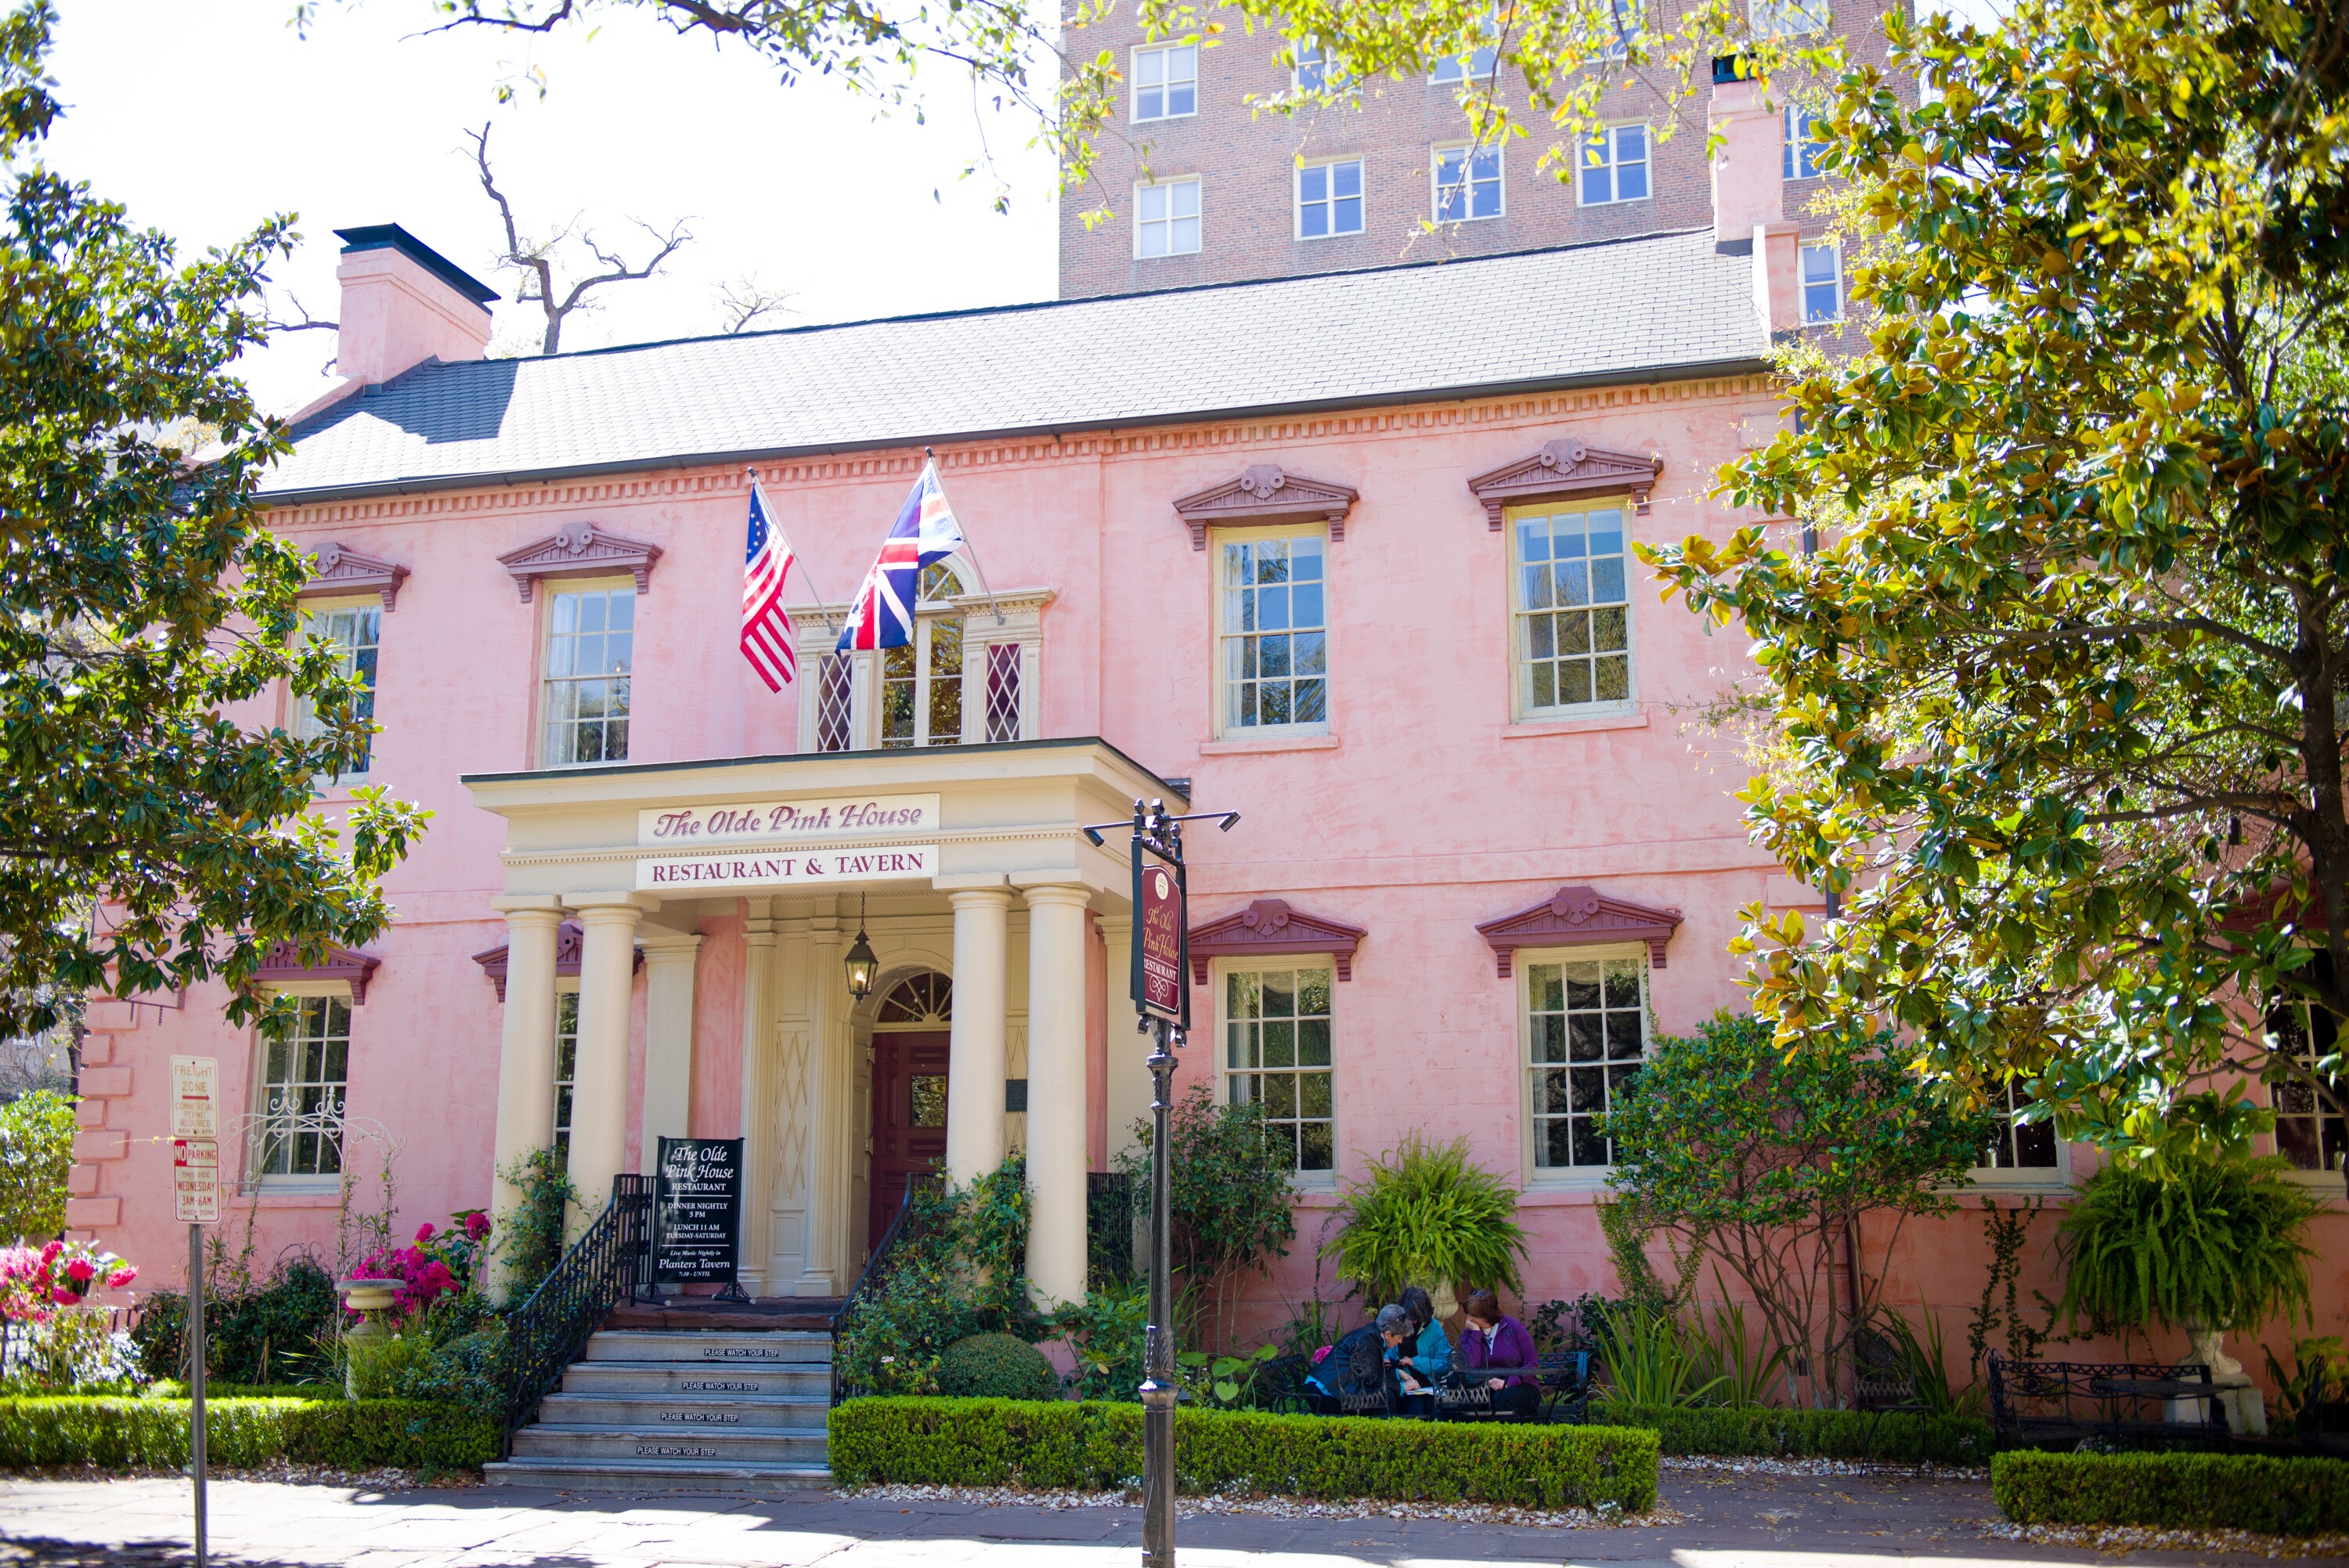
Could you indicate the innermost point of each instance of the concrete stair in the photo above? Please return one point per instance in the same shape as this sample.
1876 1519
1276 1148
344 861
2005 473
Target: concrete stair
686 1410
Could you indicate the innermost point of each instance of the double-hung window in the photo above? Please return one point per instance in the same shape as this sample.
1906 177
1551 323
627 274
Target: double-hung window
1474 67
1573 611
2017 1145
1277 1055
2308 1132
566 1069
1614 166
1804 143
1273 625
1330 199
1788 18
1315 70
1166 219
305 1077
1165 81
959 681
1822 284
1585 1024
354 631
590 651
1467 184
922 684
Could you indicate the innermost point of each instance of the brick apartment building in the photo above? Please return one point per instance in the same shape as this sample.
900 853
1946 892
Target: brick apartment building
1204 184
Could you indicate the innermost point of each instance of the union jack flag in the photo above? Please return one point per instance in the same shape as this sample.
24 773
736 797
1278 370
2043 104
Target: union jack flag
766 626
925 531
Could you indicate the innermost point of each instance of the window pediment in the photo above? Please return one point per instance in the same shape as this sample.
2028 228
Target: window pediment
570 939
1564 468
338 569
1265 492
580 549
283 965
1271 926
1579 917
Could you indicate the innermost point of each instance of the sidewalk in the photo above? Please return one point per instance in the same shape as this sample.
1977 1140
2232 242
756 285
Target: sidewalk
1731 1522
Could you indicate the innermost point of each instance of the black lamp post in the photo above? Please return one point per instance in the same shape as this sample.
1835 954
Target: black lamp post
1162 996
863 964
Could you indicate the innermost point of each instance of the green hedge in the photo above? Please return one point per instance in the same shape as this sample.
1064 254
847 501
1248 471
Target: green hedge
1824 1434
2174 1491
1097 1447
120 1434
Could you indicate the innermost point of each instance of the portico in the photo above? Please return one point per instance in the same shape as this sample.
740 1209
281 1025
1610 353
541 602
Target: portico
742 883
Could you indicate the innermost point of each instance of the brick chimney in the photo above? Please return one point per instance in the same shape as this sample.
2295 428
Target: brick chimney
1749 206
404 303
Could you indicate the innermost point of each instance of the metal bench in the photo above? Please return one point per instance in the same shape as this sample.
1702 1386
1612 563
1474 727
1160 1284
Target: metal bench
2068 1401
1562 1381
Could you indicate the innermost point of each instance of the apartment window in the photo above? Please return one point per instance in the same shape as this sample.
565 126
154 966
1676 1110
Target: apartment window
590 649
1277 1056
1788 18
1316 70
1477 66
303 1078
2018 1145
1822 284
1804 143
566 1069
1573 613
1166 81
2307 1132
922 683
1467 184
1330 199
354 631
1585 1033
1275 632
1615 166
1166 219
836 703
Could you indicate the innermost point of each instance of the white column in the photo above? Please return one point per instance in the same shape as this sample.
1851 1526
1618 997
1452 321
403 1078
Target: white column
1129 1078
525 1058
599 1083
975 1059
831 1143
760 1128
1056 1090
668 1042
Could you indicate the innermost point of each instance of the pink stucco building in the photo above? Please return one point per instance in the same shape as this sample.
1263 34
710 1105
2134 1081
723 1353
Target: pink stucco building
1347 554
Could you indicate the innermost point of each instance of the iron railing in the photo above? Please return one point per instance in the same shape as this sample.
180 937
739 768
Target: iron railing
2034 1400
545 1334
901 1227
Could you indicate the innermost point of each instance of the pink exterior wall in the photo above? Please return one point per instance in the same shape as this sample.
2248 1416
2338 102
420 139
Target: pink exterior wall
1423 812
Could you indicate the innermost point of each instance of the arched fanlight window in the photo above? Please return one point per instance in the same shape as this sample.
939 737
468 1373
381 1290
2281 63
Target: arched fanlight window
918 1000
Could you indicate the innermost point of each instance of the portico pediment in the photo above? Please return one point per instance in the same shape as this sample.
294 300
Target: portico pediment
1265 492
1565 469
1579 917
580 548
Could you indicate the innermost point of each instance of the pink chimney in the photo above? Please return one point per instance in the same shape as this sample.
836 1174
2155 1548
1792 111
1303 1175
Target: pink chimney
1749 208
404 303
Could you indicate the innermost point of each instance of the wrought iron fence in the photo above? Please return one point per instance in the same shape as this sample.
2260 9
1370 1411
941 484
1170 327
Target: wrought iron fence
545 1334
1113 1216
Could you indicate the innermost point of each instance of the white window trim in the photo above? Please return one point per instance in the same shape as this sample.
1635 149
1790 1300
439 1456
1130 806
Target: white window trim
1142 185
1824 24
1564 1178
1331 79
1803 285
1217 539
1435 182
1297 201
816 629
1615 181
1133 77
1218 969
293 705
546 597
1521 708
251 1180
1790 130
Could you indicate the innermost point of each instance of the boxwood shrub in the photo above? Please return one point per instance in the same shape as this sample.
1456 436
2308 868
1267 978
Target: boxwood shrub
2174 1491
1890 1435
122 1434
1098 1446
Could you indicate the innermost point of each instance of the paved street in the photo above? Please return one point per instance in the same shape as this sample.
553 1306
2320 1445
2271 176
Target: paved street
1732 1522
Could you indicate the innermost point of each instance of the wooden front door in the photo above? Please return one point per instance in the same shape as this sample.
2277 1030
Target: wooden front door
909 1117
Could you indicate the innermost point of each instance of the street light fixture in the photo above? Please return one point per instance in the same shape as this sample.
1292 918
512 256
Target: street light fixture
863 964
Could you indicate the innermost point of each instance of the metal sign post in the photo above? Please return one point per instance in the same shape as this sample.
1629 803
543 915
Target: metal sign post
1162 996
195 1200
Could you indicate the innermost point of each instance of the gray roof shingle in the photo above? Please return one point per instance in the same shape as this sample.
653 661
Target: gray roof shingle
1629 310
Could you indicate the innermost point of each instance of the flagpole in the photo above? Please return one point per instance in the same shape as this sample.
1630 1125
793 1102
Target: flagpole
756 490
972 550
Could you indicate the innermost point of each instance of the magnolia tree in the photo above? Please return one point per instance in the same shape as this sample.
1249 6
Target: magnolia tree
2061 690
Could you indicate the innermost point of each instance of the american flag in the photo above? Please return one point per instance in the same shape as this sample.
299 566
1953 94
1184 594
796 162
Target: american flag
925 531
766 627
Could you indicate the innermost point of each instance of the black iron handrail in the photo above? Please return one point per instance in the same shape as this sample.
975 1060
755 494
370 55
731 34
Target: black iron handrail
864 1281
545 1334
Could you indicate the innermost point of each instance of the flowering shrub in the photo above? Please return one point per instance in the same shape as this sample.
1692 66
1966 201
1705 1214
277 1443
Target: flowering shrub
438 1263
37 1281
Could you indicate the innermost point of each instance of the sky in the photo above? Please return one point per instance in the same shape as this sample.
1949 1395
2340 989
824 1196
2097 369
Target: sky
204 117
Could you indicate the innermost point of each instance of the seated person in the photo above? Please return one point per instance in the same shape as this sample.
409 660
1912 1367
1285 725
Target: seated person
1400 1335
1355 1365
1431 1354
1492 1339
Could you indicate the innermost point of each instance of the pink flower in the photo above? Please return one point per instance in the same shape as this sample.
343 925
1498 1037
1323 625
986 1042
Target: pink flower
49 1254
81 1270
477 1225
424 1232
122 1277
63 1297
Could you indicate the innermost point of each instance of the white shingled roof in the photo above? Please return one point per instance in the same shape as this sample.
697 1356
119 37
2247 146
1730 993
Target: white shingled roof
1630 310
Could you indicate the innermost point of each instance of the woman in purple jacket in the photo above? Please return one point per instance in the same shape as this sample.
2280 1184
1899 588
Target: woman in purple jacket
1492 1339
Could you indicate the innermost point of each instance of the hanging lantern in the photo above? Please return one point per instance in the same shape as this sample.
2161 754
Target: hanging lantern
863 964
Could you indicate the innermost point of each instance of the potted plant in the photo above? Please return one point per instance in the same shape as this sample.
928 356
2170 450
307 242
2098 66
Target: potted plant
1428 1215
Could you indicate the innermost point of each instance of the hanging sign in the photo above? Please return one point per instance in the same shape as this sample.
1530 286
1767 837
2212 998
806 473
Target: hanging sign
195 1096
696 1210
1162 941
787 869
195 1181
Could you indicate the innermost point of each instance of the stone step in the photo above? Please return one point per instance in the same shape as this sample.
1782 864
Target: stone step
581 1475
743 1349
668 1414
607 1379
610 1444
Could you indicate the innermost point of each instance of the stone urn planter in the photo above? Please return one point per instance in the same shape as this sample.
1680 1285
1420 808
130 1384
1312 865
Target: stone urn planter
2246 1408
370 1298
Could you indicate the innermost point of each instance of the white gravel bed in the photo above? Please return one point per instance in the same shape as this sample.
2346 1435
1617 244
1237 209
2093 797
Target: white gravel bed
1602 1518
2119 1538
1707 1463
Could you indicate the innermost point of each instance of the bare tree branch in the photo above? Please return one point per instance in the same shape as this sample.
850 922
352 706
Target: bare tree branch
745 299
